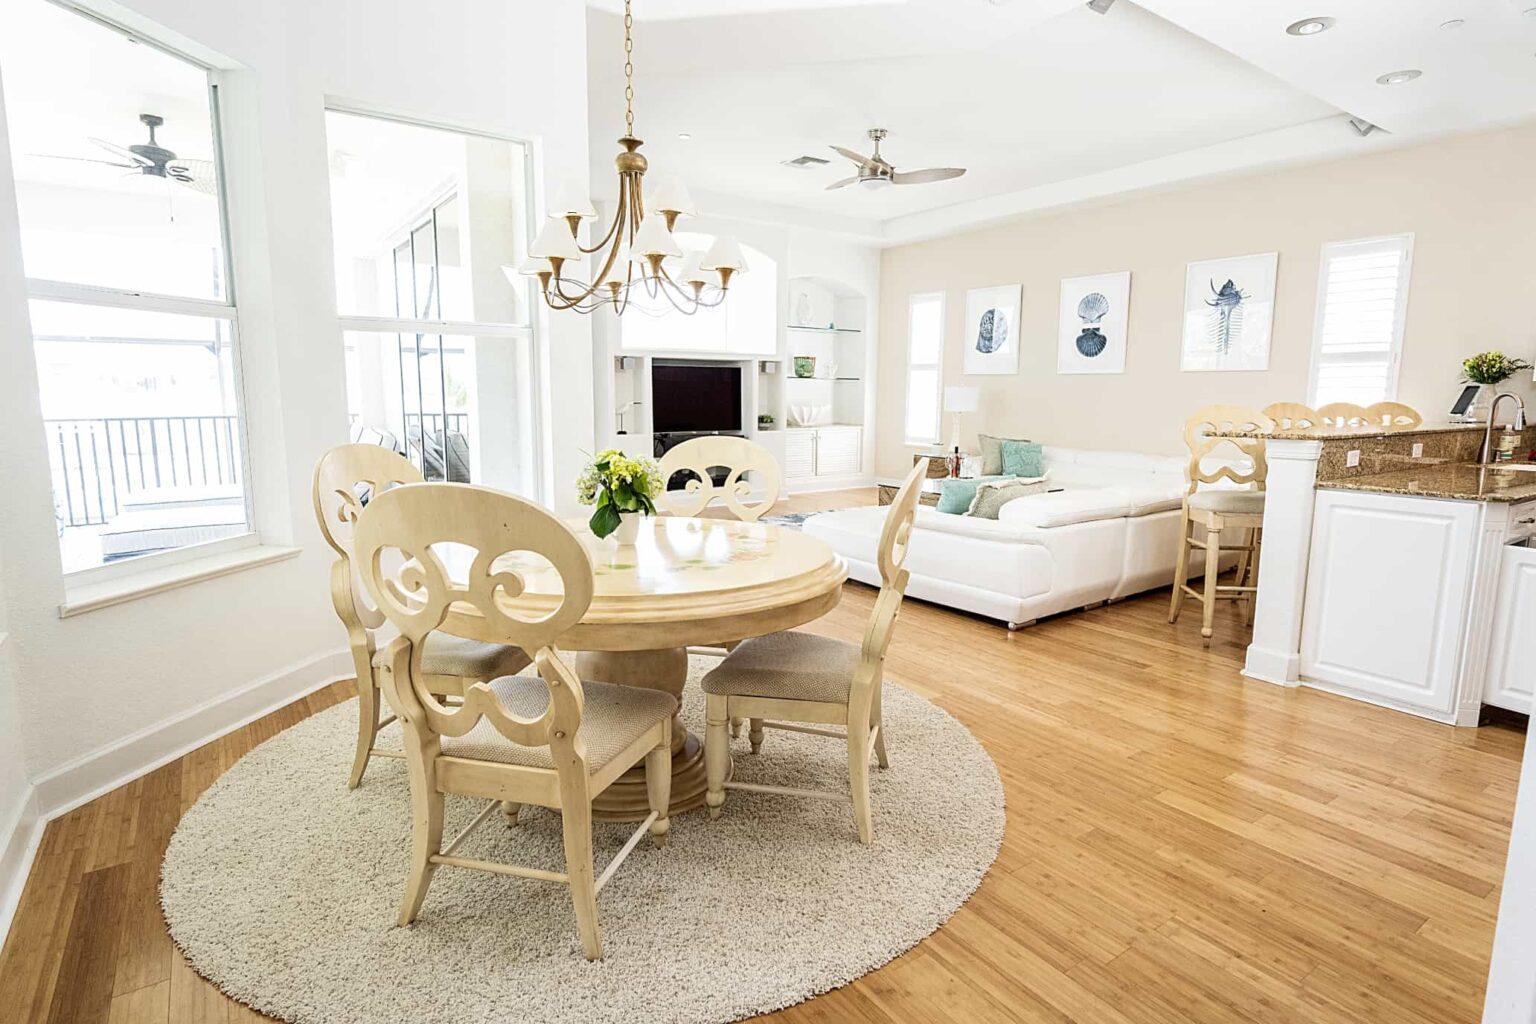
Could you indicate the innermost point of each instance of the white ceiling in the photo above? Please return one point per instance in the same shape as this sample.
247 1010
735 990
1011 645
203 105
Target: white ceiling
1044 101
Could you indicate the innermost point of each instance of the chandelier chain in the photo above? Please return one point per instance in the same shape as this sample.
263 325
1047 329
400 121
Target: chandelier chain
629 70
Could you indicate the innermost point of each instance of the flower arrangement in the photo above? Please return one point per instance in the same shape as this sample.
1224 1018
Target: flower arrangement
1491 368
617 483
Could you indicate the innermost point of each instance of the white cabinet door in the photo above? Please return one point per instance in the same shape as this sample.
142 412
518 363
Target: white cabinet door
837 451
1388 587
1512 661
799 454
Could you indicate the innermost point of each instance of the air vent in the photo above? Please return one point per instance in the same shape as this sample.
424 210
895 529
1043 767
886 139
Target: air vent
806 161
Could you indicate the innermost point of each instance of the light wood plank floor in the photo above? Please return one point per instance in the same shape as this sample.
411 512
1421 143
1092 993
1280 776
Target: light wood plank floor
1181 846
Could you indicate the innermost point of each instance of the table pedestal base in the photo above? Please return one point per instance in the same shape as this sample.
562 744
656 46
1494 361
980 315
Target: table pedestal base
665 670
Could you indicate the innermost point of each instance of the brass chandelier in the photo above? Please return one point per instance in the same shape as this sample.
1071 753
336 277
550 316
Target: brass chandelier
637 254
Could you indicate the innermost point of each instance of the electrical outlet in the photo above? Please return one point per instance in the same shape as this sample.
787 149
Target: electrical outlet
1418 451
1352 458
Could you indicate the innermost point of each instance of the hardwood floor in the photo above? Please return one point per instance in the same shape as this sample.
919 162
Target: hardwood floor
1182 845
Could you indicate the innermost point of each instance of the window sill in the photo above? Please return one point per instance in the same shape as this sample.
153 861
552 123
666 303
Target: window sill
89 598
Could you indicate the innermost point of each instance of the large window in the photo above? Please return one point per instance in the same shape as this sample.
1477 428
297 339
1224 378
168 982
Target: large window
925 358
114 148
1362 300
430 225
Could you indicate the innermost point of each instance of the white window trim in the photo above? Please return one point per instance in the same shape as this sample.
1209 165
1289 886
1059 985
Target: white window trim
160 567
1400 314
938 365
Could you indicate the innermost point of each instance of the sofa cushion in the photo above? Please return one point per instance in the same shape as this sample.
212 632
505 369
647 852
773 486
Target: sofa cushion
957 493
1022 458
992 452
1063 508
990 497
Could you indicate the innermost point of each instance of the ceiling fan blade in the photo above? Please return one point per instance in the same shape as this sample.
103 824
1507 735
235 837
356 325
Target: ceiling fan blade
127 154
197 175
843 184
862 161
83 160
926 175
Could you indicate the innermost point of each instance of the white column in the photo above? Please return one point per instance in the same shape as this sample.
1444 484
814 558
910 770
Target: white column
1512 977
1274 656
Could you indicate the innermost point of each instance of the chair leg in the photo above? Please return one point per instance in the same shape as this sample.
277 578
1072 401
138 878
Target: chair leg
858 780
1244 556
512 812
1180 570
658 785
877 720
426 820
717 752
1212 568
576 822
735 728
367 729
755 734
1253 574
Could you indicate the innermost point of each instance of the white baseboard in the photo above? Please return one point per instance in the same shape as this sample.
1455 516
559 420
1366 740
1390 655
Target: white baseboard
18 846
103 770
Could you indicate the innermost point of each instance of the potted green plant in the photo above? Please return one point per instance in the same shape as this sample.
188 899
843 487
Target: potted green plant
623 488
765 420
1488 370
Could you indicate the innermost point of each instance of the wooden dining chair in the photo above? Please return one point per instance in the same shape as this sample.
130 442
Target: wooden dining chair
1391 416
345 478
803 682
1293 416
550 740
1221 510
738 457
1344 416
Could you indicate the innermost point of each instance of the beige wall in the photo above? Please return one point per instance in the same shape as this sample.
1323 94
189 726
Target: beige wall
1468 201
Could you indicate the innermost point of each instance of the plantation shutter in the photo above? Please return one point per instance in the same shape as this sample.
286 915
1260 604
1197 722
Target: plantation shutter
1362 298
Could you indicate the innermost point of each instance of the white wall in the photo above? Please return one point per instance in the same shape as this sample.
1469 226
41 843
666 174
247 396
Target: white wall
102 693
1472 289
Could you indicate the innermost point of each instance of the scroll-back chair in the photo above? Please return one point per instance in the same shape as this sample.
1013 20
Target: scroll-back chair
802 682
1391 416
1293 416
345 478
738 456
1345 416
550 740
1221 510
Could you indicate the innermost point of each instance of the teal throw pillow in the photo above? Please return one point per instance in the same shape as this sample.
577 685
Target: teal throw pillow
1023 458
957 493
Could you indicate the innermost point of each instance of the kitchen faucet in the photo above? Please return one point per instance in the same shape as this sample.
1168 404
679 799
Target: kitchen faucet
1493 413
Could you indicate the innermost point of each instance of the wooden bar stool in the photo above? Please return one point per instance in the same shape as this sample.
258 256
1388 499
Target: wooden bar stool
1224 510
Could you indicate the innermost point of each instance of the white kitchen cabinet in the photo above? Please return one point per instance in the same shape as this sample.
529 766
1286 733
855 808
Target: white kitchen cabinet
1389 589
1512 660
814 454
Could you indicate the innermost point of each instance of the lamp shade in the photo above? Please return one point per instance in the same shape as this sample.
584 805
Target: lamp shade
653 239
961 399
572 201
533 266
725 254
619 272
693 272
555 241
671 196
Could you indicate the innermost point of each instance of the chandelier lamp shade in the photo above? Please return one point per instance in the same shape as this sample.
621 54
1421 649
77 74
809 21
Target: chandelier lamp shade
637 253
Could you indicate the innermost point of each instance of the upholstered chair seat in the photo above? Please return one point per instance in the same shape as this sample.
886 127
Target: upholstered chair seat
791 664
445 655
1232 502
612 718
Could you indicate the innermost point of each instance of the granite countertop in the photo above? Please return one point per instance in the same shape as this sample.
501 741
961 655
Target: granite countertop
1462 481
1344 435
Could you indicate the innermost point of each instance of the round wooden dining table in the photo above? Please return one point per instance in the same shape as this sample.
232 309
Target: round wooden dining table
685 582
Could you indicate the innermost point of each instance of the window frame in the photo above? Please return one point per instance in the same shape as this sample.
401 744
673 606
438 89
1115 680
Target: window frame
1399 313
227 308
937 366
530 332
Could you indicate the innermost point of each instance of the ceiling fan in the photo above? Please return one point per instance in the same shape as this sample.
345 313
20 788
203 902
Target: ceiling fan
153 160
875 172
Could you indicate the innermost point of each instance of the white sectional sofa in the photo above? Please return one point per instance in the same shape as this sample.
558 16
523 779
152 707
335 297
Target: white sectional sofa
1108 528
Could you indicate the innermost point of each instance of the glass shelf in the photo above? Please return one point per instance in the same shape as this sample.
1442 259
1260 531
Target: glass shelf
825 330
827 380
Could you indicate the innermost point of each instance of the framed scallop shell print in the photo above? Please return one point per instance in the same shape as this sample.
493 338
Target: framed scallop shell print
1094 313
991 335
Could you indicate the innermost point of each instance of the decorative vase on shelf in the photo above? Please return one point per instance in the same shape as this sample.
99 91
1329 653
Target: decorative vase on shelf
628 530
805 366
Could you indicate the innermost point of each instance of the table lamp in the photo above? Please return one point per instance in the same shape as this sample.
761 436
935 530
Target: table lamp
959 400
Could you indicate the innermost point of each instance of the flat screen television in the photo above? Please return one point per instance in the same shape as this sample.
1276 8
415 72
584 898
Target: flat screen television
695 397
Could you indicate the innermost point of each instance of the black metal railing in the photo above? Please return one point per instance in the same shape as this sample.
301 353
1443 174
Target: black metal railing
98 464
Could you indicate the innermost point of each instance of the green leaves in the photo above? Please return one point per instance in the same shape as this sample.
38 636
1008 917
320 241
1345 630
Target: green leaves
606 519
618 484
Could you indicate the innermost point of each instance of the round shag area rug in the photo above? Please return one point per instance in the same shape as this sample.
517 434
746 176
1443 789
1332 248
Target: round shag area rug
282 887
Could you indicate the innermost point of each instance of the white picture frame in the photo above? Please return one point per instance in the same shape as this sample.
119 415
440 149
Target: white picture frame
1091 331
991 330
1229 312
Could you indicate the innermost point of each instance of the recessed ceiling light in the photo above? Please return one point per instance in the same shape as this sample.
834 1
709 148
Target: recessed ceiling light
1399 77
684 136
1309 26
1453 24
